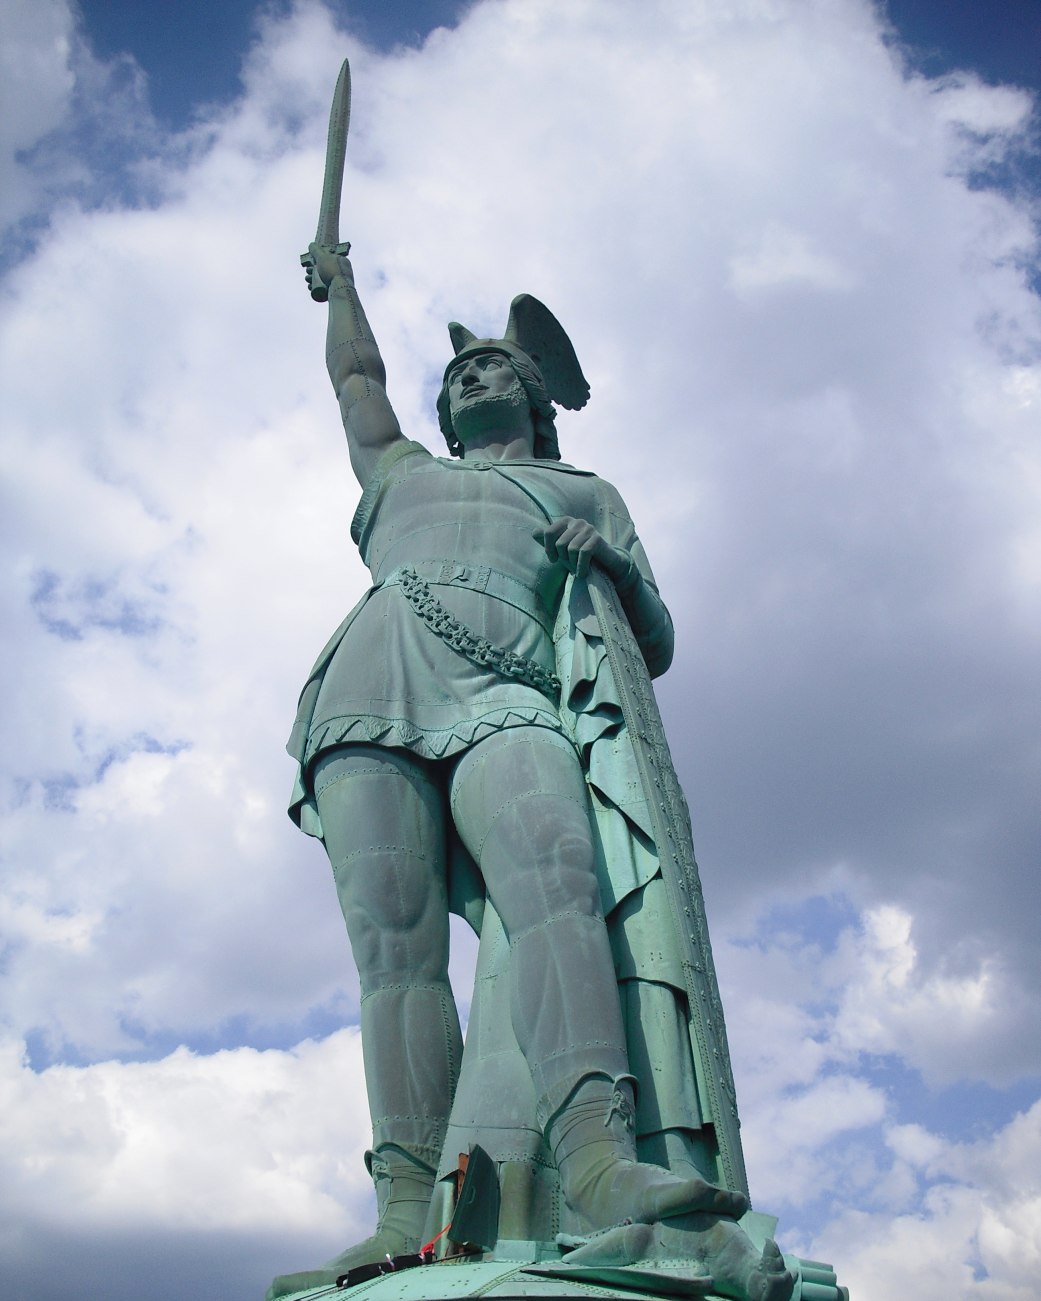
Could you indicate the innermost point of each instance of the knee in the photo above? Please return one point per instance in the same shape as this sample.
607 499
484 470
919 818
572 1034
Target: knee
538 859
397 917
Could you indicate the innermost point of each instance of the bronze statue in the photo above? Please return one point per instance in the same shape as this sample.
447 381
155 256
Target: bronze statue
480 734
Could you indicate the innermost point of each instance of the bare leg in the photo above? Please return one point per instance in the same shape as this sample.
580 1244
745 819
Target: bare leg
382 814
384 829
519 802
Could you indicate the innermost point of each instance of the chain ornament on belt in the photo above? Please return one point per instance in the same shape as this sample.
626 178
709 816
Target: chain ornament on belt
478 650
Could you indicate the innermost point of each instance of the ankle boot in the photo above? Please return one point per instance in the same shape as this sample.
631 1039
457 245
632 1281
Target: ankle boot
592 1138
404 1185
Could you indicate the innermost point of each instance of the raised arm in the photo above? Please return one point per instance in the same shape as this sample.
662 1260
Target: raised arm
355 366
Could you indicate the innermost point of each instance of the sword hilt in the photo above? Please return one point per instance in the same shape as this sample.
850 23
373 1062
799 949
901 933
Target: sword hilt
319 289
328 233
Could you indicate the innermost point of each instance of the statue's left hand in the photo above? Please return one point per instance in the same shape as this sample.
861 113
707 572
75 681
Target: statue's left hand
576 543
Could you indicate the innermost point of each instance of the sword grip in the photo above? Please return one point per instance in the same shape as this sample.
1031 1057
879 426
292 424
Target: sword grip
319 289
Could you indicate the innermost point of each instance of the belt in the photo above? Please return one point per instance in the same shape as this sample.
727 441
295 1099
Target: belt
455 634
476 578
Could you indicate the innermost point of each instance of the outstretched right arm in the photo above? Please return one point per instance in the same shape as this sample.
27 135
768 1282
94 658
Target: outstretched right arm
355 367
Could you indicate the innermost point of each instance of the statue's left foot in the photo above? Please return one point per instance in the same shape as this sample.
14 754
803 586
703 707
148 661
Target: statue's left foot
593 1143
610 1189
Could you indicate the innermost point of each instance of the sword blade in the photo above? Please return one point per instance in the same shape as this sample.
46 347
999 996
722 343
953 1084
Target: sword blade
335 151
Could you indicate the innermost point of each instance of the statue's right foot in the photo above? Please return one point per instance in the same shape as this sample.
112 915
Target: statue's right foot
383 1243
404 1184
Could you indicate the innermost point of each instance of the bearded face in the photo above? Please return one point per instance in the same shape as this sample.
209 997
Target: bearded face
484 393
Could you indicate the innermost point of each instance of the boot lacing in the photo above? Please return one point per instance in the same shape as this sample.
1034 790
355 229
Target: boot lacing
622 1107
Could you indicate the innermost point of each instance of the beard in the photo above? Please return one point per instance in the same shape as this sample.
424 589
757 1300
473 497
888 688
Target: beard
479 415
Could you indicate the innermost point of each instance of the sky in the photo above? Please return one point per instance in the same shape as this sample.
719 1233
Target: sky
795 243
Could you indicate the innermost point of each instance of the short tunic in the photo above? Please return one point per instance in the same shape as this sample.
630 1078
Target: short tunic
466 527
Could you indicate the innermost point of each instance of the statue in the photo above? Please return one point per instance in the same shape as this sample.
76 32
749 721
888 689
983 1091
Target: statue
479 734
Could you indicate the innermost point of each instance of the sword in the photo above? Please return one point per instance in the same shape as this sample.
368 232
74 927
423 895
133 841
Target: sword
328 233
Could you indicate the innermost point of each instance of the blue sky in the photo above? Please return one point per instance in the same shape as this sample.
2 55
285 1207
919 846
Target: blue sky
192 52
796 246
999 41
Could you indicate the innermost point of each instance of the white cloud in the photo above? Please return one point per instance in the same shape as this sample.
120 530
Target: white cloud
809 1008
238 1138
35 87
265 1143
984 110
815 367
72 126
888 1005
950 1213
974 1234
786 257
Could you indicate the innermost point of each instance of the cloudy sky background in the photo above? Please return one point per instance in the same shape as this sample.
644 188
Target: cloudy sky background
799 260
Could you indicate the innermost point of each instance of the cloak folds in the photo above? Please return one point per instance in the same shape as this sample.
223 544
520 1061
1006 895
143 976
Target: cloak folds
662 913
676 1040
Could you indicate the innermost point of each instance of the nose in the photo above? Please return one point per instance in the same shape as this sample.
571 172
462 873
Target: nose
469 375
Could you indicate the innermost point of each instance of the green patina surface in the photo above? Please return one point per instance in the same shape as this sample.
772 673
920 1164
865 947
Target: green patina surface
481 734
517 1274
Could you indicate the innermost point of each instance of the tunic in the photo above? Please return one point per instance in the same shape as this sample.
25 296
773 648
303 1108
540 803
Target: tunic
466 527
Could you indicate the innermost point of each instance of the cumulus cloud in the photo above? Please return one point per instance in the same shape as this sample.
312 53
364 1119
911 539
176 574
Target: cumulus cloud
814 355
72 127
245 1146
973 1233
822 1034
37 83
